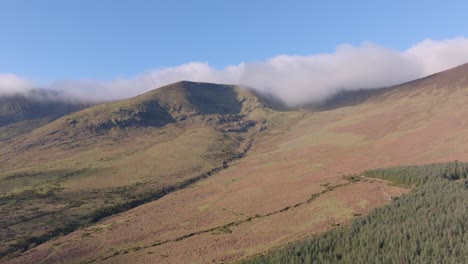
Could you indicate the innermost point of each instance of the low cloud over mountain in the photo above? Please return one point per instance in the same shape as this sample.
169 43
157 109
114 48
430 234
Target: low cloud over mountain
295 79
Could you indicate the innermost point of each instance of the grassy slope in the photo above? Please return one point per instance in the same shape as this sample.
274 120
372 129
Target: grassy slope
115 153
300 156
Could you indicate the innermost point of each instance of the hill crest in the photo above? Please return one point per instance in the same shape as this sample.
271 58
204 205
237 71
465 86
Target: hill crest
20 113
168 104
451 79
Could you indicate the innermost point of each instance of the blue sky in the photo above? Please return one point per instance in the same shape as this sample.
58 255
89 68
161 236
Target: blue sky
55 39
298 50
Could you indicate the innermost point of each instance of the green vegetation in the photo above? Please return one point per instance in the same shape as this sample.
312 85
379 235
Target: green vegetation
136 200
428 225
29 209
417 175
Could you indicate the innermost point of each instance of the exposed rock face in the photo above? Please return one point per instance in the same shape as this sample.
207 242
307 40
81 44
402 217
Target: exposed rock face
232 123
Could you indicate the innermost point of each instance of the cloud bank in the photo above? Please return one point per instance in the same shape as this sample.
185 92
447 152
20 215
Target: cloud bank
294 79
10 84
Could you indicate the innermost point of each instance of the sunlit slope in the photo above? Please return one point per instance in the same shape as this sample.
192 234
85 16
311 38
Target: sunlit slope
61 175
290 185
425 226
454 78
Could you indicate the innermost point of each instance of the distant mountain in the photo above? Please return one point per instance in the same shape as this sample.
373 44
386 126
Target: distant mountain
20 113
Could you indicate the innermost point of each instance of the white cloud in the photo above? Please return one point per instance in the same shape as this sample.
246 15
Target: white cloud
301 79
295 79
439 55
124 88
10 84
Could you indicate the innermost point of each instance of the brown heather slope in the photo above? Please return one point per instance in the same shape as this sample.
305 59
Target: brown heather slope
111 157
289 186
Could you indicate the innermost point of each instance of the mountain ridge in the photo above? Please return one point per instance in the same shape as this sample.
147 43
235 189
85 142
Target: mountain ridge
21 113
454 77
169 104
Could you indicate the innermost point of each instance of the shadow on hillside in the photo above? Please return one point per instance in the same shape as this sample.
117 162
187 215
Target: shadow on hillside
214 98
348 98
147 114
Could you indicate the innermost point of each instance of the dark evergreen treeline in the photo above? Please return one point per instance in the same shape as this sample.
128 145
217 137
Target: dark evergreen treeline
417 175
428 225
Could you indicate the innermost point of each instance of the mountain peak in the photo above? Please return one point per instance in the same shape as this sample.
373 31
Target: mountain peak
168 104
207 98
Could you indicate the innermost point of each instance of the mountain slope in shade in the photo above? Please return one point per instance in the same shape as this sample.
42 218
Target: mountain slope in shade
22 113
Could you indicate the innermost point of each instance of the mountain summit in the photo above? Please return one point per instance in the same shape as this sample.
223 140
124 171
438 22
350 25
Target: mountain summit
169 104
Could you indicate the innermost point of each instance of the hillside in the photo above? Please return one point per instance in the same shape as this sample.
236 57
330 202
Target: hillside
295 181
425 226
22 113
112 157
169 104
455 78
